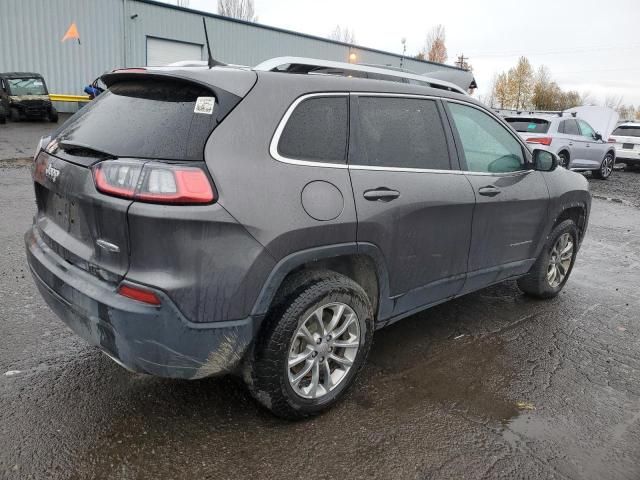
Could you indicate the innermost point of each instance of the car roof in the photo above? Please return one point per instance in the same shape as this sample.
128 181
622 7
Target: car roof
230 79
20 75
548 118
629 124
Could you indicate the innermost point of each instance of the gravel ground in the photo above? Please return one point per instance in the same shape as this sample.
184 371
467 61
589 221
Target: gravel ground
623 185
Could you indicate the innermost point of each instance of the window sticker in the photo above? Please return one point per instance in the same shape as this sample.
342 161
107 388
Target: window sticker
532 126
205 105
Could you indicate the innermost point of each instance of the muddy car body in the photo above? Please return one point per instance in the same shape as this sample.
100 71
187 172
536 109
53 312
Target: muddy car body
24 95
279 219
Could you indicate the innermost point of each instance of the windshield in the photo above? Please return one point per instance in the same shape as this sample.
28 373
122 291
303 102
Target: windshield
529 125
627 131
27 86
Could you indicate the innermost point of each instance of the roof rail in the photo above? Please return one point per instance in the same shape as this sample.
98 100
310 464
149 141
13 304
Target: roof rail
328 67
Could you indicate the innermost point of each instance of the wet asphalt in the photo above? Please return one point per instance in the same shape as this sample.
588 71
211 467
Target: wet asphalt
491 385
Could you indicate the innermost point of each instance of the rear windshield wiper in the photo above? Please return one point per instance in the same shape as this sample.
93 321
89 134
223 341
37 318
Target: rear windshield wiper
82 150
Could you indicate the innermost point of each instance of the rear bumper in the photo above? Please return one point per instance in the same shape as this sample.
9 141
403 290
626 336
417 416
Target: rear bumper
156 340
625 155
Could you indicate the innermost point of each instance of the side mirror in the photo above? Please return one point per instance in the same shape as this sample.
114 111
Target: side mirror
544 161
597 136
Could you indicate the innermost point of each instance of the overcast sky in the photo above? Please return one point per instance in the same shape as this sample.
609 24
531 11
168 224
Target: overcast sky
589 45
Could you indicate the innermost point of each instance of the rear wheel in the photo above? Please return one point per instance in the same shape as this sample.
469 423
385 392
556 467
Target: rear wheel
606 168
564 159
551 270
312 347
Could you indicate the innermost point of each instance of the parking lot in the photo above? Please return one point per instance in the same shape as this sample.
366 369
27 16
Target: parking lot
491 385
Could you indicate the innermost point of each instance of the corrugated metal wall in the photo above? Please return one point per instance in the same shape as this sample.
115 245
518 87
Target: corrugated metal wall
31 33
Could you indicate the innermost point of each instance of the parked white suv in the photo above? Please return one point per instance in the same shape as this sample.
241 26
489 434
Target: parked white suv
626 140
577 144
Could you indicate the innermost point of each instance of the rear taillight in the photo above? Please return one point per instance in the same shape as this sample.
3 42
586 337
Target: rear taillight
140 294
612 140
540 140
154 182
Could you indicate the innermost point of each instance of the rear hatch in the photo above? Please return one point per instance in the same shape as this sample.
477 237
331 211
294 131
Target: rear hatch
532 130
143 118
626 137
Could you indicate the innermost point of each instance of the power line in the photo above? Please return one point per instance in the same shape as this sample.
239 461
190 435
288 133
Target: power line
555 52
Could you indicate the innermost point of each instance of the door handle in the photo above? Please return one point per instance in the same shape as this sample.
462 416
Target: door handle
489 191
382 194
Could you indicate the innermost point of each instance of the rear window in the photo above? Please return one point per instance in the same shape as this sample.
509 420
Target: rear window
148 119
529 125
627 131
317 130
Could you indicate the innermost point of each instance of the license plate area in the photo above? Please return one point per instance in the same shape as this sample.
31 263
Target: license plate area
627 146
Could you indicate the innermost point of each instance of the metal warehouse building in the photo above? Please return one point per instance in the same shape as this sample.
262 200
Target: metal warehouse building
125 33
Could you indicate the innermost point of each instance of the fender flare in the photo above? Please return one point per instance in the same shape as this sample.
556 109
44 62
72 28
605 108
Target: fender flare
292 261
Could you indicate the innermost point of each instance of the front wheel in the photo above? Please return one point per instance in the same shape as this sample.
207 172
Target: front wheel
53 115
563 159
550 272
606 167
312 347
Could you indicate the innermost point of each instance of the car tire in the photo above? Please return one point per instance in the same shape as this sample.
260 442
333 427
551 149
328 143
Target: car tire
14 114
563 159
606 167
3 119
540 282
53 115
324 371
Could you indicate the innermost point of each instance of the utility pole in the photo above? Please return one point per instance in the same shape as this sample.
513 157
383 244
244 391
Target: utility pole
404 50
461 60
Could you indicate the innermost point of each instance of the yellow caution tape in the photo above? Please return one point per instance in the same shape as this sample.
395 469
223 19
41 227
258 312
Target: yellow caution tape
56 97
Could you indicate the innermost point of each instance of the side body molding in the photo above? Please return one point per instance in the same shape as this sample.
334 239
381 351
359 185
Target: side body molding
292 261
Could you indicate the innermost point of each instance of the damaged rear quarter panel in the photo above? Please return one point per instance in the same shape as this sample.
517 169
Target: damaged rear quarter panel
200 256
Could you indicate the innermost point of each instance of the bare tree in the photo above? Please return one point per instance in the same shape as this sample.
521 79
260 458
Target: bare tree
240 9
343 34
613 101
435 49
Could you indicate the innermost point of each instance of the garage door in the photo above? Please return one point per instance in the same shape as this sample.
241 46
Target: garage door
163 52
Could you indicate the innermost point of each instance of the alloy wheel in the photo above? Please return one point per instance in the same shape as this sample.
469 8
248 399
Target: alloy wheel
607 166
323 350
560 260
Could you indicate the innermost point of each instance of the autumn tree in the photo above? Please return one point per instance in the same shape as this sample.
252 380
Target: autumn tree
343 34
501 91
240 9
521 83
435 49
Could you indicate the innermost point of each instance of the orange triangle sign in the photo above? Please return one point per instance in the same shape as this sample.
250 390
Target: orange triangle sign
72 32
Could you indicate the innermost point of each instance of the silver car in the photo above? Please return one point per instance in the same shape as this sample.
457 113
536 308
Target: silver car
577 144
626 140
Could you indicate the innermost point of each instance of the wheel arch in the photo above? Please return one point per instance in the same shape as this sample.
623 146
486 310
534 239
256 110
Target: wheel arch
362 262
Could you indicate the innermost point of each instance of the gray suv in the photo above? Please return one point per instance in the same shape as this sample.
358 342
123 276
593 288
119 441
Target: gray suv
193 222
576 143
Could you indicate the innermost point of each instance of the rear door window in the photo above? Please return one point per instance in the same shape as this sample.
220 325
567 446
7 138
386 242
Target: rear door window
529 125
570 127
317 130
400 133
154 119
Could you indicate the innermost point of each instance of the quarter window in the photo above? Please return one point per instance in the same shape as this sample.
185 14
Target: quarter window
487 145
317 130
400 133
